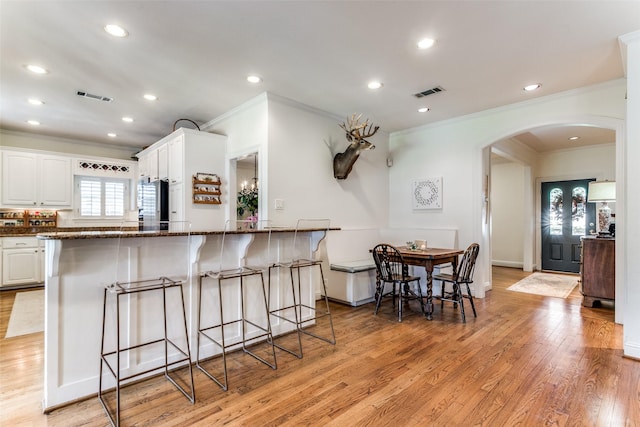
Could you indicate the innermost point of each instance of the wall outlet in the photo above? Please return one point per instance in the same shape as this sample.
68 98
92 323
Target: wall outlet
279 203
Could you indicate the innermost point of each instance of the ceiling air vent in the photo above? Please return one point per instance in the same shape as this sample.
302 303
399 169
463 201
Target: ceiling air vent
429 92
92 96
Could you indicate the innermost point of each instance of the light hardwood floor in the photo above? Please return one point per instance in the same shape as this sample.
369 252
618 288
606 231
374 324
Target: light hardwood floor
525 360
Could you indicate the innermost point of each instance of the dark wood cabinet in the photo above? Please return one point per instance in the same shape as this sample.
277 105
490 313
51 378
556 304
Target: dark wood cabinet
598 270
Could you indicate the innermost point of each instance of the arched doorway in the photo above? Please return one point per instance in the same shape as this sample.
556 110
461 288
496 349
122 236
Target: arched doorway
549 153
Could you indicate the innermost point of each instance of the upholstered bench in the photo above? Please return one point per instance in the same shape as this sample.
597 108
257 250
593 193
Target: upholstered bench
355 279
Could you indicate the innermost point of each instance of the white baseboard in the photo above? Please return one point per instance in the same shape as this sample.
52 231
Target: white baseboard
632 349
512 264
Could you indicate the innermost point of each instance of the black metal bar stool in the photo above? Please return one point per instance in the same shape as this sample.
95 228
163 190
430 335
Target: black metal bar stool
233 277
143 351
299 313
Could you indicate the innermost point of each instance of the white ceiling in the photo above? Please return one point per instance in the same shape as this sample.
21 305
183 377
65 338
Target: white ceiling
195 56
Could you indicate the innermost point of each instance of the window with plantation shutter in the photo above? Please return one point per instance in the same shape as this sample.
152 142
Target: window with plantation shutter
114 198
90 198
101 197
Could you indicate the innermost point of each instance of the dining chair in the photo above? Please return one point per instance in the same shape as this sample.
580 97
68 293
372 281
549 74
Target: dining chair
461 277
391 269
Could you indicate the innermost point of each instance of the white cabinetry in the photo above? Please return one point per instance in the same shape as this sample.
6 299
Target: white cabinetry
176 202
163 166
148 164
41 261
189 152
21 261
35 180
143 166
176 169
152 165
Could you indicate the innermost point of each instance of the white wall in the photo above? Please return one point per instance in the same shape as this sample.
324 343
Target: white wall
596 161
628 189
454 149
507 214
246 127
295 145
60 145
301 170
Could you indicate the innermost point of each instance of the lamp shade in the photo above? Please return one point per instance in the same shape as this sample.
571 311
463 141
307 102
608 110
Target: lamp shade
602 191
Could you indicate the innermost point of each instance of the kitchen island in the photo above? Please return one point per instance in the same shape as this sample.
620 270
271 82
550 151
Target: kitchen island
79 265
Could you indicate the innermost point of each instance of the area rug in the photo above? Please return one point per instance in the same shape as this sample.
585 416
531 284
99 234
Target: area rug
546 284
27 314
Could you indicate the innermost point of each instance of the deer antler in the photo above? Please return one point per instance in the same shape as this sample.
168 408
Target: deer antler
353 128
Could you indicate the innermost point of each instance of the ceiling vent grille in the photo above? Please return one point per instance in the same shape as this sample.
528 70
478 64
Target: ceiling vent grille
92 96
428 92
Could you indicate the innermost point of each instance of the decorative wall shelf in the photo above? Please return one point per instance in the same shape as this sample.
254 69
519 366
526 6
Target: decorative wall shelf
206 189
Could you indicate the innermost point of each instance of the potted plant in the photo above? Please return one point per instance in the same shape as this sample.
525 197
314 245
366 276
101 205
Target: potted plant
248 203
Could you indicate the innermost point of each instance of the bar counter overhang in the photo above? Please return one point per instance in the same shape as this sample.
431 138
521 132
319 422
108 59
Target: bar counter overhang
79 265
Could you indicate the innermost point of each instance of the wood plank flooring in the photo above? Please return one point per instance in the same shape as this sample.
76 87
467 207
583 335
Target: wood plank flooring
526 360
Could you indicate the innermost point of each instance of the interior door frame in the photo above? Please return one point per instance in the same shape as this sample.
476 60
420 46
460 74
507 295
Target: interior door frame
538 208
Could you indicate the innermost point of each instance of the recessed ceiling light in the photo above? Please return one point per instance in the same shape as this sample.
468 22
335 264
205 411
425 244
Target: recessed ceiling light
111 135
254 79
37 69
374 85
532 87
423 109
150 97
127 119
426 43
33 122
573 138
116 30
34 101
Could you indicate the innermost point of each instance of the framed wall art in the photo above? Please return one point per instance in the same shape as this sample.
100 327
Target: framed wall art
427 193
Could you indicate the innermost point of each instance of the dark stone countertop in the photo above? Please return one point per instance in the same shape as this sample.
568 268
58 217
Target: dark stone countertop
111 234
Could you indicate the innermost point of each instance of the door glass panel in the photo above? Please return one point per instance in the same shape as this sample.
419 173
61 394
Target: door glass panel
555 211
578 217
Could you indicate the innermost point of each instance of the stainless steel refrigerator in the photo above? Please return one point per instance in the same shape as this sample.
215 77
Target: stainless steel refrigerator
153 204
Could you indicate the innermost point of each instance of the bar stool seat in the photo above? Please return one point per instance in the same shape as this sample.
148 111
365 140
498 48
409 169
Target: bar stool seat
133 301
213 331
294 313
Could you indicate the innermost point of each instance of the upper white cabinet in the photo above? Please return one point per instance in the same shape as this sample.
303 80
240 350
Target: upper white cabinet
187 153
143 166
163 166
36 180
152 165
176 159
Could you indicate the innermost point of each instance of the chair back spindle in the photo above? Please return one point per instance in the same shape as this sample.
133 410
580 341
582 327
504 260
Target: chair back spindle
467 265
392 269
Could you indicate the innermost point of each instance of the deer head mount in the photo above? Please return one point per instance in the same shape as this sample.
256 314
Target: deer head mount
356 133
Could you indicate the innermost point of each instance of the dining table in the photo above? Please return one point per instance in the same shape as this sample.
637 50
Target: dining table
429 258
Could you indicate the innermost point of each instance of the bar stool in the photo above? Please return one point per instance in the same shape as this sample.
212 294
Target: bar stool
232 274
145 296
299 313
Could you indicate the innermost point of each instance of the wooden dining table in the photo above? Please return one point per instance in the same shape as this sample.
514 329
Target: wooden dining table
429 258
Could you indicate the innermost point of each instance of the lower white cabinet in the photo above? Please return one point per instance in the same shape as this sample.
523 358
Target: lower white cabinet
22 259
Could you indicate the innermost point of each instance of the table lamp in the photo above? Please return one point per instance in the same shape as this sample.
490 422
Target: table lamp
603 192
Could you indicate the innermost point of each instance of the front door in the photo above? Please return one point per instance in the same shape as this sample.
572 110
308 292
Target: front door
566 216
